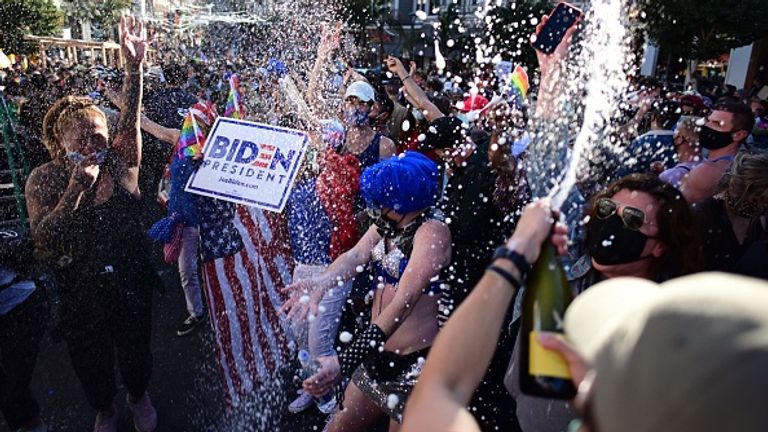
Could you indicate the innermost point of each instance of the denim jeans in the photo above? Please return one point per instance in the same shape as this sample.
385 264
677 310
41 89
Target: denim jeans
319 334
190 281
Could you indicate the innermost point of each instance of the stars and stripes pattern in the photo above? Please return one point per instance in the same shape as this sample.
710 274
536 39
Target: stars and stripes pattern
246 260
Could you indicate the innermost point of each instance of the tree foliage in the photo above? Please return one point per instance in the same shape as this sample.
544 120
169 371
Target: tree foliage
704 29
23 17
105 14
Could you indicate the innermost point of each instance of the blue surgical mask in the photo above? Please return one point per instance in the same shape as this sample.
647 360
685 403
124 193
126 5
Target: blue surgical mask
417 114
356 117
463 117
78 158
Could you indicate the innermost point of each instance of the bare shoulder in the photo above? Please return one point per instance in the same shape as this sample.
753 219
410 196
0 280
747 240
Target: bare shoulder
45 179
44 188
434 228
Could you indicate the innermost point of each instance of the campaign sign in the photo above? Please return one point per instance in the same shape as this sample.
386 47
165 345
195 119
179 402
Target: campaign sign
249 163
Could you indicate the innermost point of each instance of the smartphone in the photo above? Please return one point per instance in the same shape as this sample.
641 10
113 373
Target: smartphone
563 17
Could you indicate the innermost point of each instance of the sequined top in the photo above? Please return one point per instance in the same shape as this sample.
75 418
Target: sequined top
388 266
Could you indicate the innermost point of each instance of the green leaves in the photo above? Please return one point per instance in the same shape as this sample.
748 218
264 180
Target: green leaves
23 17
704 29
105 13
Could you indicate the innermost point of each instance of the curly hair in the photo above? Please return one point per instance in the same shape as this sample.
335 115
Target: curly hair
61 116
747 177
677 226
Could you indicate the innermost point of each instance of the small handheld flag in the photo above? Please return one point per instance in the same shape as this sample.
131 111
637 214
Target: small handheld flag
234 108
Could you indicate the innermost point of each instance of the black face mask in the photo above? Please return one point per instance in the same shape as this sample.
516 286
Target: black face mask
384 225
711 139
610 242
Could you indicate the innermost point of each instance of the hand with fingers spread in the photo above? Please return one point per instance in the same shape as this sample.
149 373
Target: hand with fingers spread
325 379
133 45
329 40
304 301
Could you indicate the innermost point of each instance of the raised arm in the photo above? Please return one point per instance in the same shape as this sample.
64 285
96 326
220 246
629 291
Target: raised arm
449 379
162 133
552 74
343 269
414 92
127 142
329 42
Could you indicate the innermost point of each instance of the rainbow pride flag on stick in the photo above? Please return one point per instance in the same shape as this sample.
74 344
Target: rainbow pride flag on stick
518 82
192 137
234 108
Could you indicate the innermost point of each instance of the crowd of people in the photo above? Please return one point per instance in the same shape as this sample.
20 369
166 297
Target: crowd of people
412 185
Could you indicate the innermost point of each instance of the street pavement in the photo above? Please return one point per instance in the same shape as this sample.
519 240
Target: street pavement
186 388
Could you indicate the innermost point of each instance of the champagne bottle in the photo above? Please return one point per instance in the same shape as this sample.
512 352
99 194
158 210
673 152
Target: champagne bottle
545 373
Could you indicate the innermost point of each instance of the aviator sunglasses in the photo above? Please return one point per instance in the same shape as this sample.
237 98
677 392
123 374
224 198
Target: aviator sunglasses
633 217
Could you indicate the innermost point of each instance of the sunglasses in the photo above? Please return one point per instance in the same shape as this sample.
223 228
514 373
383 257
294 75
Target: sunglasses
633 217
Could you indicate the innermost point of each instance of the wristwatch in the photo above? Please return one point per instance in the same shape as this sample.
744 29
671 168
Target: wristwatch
520 262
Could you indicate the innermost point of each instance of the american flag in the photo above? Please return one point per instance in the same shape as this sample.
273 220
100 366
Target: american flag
246 259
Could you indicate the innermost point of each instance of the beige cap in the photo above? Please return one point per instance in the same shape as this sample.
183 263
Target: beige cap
690 354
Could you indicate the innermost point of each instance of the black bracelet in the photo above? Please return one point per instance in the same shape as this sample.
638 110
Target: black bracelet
523 266
505 274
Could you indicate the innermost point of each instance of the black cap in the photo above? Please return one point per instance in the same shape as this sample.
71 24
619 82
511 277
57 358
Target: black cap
445 132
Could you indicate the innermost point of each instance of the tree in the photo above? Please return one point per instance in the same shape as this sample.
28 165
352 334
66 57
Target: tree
704 29
23 17
104 14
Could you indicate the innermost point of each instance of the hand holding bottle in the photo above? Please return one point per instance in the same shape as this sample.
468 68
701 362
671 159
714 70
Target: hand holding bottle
534 227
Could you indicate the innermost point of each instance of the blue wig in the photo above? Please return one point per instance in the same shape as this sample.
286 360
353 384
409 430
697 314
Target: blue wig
404 183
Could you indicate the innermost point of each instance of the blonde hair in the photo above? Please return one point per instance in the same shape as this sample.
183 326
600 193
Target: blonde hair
686 127
61 116
747 178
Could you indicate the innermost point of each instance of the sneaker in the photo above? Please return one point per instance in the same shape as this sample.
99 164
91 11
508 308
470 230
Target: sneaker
144 414
301 403
105 423
327 407
189 325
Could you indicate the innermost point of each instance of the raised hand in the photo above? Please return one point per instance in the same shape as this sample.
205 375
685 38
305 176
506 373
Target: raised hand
549 62
396 66
329 41
133 45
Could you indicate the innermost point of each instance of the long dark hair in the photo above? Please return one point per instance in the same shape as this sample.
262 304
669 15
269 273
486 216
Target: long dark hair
677 226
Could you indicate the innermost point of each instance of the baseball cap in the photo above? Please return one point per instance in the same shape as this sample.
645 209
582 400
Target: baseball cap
443 133
690 354
362 90
474 103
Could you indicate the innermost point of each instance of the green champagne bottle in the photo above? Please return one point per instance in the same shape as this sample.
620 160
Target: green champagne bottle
544 373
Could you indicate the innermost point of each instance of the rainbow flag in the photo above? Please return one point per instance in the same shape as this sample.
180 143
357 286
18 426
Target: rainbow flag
518 82
234 108
192 137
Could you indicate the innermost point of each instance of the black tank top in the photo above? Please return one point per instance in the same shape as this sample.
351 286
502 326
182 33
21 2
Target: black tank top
107 234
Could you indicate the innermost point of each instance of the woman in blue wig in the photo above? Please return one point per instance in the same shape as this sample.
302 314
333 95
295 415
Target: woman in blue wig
407 247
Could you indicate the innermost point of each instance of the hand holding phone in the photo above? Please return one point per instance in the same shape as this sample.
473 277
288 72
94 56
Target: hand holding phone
555 26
